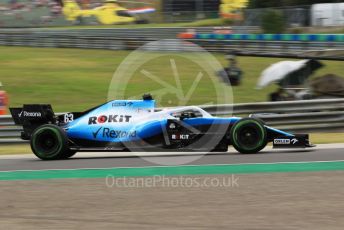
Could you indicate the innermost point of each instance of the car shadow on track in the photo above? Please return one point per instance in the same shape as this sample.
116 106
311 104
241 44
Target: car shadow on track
107 155
272 152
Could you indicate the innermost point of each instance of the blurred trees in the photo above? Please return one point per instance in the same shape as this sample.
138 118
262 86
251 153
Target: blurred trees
273 22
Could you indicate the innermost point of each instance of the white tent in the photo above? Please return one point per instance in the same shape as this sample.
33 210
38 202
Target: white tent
327 14
278 71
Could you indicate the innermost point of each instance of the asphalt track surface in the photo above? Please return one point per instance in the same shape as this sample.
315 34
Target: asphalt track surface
117 160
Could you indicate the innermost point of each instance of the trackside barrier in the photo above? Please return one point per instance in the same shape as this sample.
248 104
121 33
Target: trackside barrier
287 107
294 116
274 37
309 116
130 39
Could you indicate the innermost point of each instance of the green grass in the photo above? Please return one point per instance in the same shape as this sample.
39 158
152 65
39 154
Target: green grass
327 138
15 149
207 22
77 79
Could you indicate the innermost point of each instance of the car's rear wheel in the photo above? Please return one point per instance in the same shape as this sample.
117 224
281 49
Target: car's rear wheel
248 135
49 142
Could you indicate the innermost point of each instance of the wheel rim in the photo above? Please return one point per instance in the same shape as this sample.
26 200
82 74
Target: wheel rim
248 135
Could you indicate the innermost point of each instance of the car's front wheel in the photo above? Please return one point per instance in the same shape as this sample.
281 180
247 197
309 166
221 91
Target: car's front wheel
248 135
49 142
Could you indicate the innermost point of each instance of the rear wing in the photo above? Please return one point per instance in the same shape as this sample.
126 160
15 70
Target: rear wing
31 117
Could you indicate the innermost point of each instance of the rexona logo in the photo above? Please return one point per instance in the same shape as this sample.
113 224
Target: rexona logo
30 114
110 133
109 119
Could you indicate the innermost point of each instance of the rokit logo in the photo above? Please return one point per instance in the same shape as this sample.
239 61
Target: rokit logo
110 133
30 114
180 136
109 119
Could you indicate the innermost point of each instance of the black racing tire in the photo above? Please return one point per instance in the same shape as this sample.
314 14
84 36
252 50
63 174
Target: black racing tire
50 142
248 136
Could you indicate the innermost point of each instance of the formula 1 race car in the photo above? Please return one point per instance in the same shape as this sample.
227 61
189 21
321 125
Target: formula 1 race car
136 125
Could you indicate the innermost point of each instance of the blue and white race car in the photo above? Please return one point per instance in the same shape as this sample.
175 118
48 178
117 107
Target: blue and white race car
136 125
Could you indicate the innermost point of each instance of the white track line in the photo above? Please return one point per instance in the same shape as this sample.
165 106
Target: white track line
175 166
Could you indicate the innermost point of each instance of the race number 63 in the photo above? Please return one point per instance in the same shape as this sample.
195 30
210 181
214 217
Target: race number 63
68 117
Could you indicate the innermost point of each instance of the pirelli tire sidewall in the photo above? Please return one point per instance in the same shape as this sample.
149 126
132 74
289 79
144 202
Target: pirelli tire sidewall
255 125
50 142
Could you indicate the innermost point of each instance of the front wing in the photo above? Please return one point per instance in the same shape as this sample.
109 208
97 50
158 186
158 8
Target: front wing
295 141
